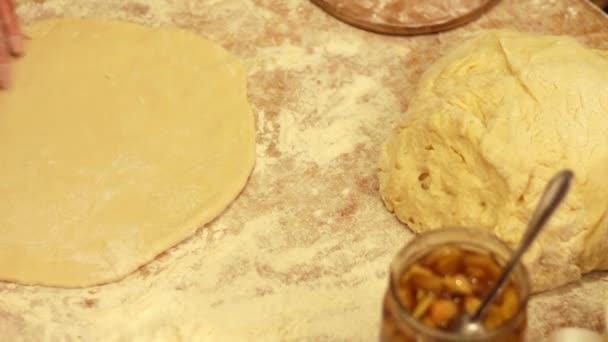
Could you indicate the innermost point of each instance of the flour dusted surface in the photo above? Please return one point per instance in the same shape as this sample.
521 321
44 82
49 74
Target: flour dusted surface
329 209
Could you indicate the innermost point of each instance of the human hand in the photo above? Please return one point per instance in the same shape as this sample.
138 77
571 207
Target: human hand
10 39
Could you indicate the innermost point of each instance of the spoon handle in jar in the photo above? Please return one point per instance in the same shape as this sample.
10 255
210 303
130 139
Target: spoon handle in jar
554 193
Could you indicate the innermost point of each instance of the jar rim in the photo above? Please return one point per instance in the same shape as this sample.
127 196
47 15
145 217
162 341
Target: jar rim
480 236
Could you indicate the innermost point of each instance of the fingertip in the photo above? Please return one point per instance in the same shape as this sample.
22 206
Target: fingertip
16 45
5 76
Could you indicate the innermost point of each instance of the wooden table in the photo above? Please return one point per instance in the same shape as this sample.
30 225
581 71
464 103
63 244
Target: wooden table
302 254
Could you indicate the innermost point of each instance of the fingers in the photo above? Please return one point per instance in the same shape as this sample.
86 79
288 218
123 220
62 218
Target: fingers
10 39
4 58
4 62
11 28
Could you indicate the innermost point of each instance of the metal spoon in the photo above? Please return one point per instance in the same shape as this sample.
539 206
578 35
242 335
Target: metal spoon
554 193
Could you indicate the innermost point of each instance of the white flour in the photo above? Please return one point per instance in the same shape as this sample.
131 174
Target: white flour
342 117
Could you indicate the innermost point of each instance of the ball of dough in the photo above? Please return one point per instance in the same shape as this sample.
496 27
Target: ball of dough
491 122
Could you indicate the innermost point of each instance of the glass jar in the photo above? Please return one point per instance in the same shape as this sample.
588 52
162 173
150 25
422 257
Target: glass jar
399 325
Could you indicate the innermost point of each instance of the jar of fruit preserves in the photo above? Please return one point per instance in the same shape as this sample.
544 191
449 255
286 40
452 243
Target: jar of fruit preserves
445 273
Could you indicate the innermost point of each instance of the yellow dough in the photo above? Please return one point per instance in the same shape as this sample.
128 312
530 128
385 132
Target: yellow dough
117 142
491 122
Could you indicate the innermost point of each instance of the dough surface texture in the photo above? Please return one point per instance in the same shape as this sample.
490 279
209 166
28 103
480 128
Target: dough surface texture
118 141
491 122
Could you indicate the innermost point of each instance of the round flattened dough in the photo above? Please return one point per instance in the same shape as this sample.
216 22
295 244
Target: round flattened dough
491 122
118 141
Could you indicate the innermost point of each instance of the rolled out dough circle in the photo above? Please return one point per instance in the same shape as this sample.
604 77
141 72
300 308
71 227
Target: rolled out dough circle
118 141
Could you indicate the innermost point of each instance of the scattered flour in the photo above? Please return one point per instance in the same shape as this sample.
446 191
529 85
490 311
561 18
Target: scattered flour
342 115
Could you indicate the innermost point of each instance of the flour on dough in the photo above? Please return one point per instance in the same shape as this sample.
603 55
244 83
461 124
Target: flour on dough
118 141
491 122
